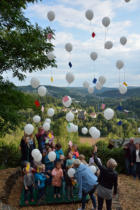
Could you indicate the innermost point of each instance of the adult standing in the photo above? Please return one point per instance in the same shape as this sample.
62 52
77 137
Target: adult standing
107 180
138 160
130 157
87 183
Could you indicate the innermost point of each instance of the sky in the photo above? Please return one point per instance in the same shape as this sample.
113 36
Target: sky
70 25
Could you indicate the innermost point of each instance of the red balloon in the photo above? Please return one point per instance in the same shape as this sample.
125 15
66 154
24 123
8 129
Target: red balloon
37 103
93 34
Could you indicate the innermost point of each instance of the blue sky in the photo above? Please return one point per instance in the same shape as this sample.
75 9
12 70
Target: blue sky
71 26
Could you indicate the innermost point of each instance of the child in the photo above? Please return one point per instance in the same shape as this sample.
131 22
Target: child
40 180
69 161
75 151
82 159
28 183
57 174
58 151
48 165
69 148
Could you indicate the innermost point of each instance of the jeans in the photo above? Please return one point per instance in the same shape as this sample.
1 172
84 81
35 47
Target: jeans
26 192
57 190
92 197
130 170
101 201
41 192
138 169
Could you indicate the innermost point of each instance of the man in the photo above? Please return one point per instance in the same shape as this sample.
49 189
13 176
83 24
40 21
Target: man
87 182
130 157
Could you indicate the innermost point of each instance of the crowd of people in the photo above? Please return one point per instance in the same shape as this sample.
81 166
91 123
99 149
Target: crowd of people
41 174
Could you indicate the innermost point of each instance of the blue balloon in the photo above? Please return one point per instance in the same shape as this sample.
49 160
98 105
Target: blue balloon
70 64
119 123
94 81
119 108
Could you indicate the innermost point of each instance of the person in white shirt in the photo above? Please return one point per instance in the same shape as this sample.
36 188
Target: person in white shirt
138 159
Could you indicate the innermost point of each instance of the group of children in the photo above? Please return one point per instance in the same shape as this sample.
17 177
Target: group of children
41 174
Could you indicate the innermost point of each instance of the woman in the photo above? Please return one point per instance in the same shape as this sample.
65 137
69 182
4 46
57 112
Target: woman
107 180
138 160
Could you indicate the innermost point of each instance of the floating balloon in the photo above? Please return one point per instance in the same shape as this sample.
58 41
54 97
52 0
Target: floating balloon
49 36
42 91
106 21
51 15
52 156
50 56
46 126
50 112
70 77
29 128
98 86
48 120
70 116
93 35
36 118
38 157
67 101
93 169
70 127
122 89
71 172
75 129
108 113
68 47
123 40
138 130
37 104
102 80
93 56
94 81
94 132
35 152
119 64
90 90
127 1
86 84
70 64
108 45
84 130
89 14
34 82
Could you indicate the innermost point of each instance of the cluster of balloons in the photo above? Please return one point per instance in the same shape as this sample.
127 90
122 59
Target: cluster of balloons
37 156
72 128
42 90
94 132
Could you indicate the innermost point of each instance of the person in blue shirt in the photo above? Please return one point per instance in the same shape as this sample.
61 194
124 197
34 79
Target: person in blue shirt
48 166
87 183
40 180
58 151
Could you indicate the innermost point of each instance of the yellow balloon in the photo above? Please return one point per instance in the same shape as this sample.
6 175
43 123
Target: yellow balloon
51 79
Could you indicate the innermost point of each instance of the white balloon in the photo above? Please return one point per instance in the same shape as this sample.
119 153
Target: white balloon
93 169
106 21
50 56
119 64
70 77
102 80
90 90
75 129
36 118
42 91
70 116
68 47
67 101
93 56
51 15
29 128
123 40
71 172
89 14
35 152
86 84
48 120
50 112
38 157
84 130
46 126
52 156
70 127
122 89
108 113
34 82
138 130
98 86
94 132
108 45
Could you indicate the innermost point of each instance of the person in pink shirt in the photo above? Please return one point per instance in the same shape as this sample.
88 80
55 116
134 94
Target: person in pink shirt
57 175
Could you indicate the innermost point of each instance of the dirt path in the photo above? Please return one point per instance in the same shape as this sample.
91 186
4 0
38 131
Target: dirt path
89 140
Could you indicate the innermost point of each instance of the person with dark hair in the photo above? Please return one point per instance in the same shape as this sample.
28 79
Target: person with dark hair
130 157
107 180
58 151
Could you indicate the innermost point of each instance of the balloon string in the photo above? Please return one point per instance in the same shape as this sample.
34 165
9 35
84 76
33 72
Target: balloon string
119 77
124 75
